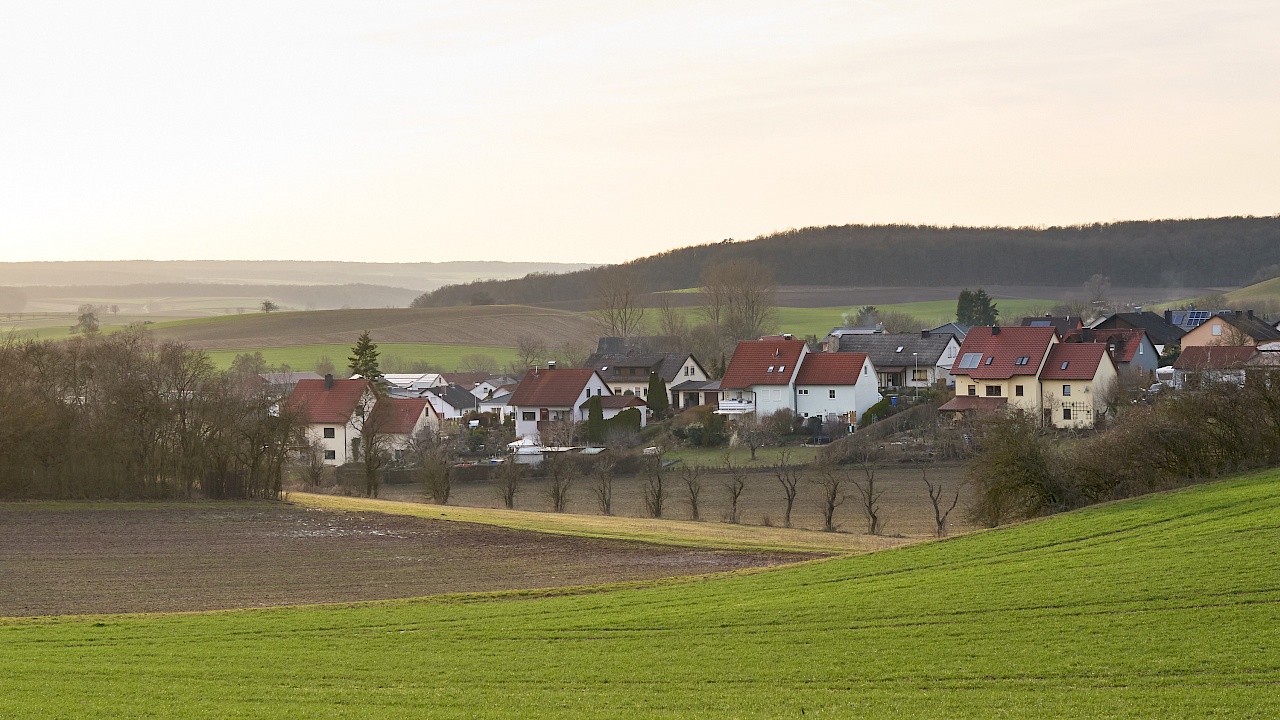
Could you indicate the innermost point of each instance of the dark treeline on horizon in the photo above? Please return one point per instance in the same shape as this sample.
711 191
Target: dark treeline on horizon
1149 253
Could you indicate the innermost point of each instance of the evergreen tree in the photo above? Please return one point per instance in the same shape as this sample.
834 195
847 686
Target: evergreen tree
975 307
364 359
595 420
658 400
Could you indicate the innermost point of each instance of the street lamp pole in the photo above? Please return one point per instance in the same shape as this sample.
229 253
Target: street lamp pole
915 370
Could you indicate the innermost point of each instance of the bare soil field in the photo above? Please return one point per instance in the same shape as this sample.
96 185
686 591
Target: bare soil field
497 325
60 560
904 505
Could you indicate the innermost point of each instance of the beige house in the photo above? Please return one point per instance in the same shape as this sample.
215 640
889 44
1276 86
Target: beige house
1076 383
1231 328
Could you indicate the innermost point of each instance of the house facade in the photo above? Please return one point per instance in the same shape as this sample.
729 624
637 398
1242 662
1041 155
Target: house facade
836 386
628 373
552 395
1076 383
773 374
333 413
1231 328
905 360
1130 349
398 420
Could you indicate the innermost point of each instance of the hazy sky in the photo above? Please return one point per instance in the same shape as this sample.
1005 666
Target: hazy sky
602 131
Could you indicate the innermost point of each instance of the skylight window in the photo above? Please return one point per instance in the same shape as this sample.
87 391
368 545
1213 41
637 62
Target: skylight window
1065 363
770 369
989 359
781 368
1022 360
970 361
899 349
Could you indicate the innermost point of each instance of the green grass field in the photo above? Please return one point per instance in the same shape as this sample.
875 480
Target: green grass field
304 357
1166 606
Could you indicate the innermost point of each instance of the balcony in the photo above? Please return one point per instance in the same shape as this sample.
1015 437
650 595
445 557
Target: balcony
736 406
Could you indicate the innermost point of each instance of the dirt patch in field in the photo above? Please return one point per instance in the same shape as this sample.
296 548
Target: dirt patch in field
80 561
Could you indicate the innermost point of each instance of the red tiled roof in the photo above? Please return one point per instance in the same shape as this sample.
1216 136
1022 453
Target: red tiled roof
398 416
618 401
753 358
1125 340
315 404
1214 357
999 351
831 368
1081 361
561 387
966 403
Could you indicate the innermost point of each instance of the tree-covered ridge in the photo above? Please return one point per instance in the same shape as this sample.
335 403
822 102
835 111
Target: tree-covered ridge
1149 253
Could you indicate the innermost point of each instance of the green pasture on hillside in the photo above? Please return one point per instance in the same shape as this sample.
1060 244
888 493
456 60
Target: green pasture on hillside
304 357
1165 606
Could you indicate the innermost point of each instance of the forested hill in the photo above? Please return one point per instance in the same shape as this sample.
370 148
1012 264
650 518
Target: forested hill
1154 253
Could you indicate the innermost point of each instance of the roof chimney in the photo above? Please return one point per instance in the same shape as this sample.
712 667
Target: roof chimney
1250 314
924 333
551 364
328 381
995 329
1168 316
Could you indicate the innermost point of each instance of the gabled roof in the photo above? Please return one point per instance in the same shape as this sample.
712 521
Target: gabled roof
1214 357
1123 343
1002 352
398 416
456 397
762 362
619 402
1063 324
317 404
831 368
1074 361
498 399
895 351
638 344
667 365
466 380
1256 328
1158 329
953 328
551 388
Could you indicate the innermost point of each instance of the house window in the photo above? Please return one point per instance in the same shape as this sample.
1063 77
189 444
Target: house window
993 391
804 391
399 456
831 394
1066 413
920 375
1216 329
1066 390
330 454
973 389
1017 390
330 432
529 415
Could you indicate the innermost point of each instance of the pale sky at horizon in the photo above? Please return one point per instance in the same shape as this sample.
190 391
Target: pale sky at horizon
597 132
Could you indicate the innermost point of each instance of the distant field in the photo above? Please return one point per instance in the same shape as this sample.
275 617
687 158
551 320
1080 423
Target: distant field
304 357
1161 607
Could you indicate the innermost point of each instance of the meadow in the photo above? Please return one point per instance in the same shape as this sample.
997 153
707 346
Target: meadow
304 357
1163 606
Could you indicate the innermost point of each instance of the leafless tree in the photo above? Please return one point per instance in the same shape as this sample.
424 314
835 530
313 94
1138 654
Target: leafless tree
738 298
935 497
618 293
435 453
561 472
868 492
478 362
673 327
734 487
691 476
654 488
572 354
311 466
530 351
789 477
510 475
831 481
602 472
1095 289
753 432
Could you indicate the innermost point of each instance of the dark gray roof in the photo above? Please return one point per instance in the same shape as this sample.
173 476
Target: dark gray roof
696 386
640 344
954 328
665 364
456 397
1158 329
1254 327
883 349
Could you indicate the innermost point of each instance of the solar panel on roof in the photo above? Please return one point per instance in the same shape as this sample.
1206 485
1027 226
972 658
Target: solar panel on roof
1040 323
970 360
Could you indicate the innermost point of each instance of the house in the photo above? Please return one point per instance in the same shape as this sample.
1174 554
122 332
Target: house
629 372
772 374
832 340
1158 328
498 404
492 386
400 419
906 360
836 386
414 381
452 402
611 405
761 376
1063 325
691 393
1131 349
999 367
955 329
467 380
333 413
1076 384
1199 364
636 344
555 395
1231 328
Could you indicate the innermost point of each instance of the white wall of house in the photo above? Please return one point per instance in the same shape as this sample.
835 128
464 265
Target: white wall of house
528 416
823 400
772 398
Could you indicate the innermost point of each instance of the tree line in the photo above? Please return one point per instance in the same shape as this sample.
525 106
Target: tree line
122 416
1152 253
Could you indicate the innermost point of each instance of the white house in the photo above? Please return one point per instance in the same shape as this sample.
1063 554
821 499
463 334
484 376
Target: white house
333 412
399 419
836 385
552 395
761 376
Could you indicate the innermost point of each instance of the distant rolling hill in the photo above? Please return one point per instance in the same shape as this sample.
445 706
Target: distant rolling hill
489 325
1221 252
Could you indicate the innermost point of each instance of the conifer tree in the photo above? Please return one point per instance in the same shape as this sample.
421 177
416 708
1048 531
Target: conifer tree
364 359
595 420
657 400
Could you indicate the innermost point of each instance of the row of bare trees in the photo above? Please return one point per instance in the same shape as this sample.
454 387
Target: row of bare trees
122 416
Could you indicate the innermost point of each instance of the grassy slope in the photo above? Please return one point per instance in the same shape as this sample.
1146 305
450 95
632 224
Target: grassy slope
1162 607
304 357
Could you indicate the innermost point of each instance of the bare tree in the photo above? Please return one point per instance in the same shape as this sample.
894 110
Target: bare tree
734 487
654 488
1096 287
373 447
832 482
738 298
602 472
935 497
530 350
673 327
865 458
478 362
561 472
510 476
691 476
789 477
435 453
618 293
311 465
572 355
